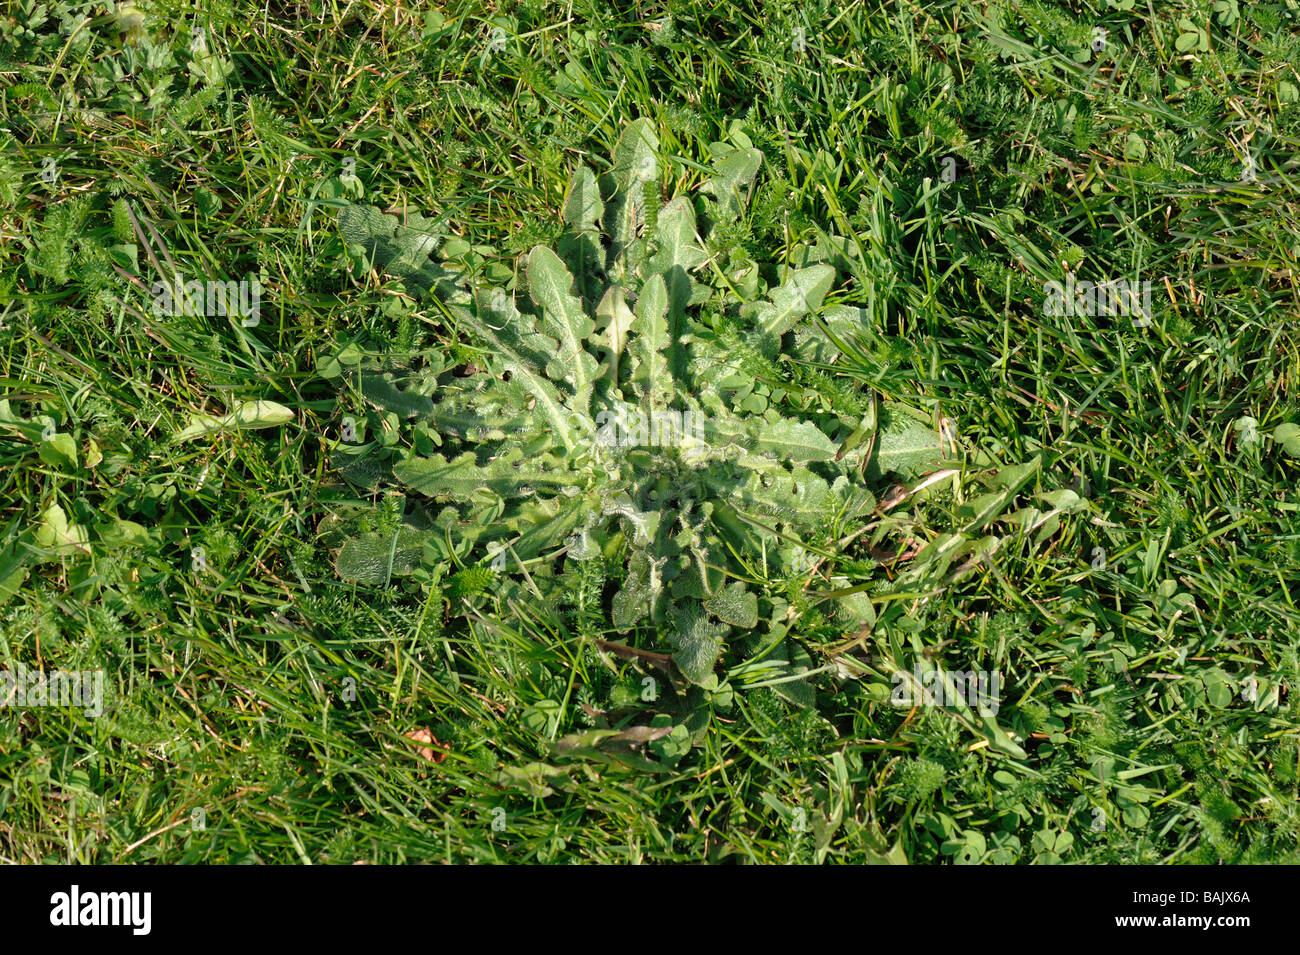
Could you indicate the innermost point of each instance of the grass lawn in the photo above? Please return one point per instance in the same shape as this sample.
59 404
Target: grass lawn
676 431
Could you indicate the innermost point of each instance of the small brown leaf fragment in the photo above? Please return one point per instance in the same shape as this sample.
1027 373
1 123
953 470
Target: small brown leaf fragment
429 741
885 556
663 660
636 735
897 494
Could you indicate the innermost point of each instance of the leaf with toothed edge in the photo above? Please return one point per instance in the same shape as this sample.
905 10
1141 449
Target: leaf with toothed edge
563 319
650 373
509 474
631 318
734 605
732 175
522 353
636 167
374 558
699 643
